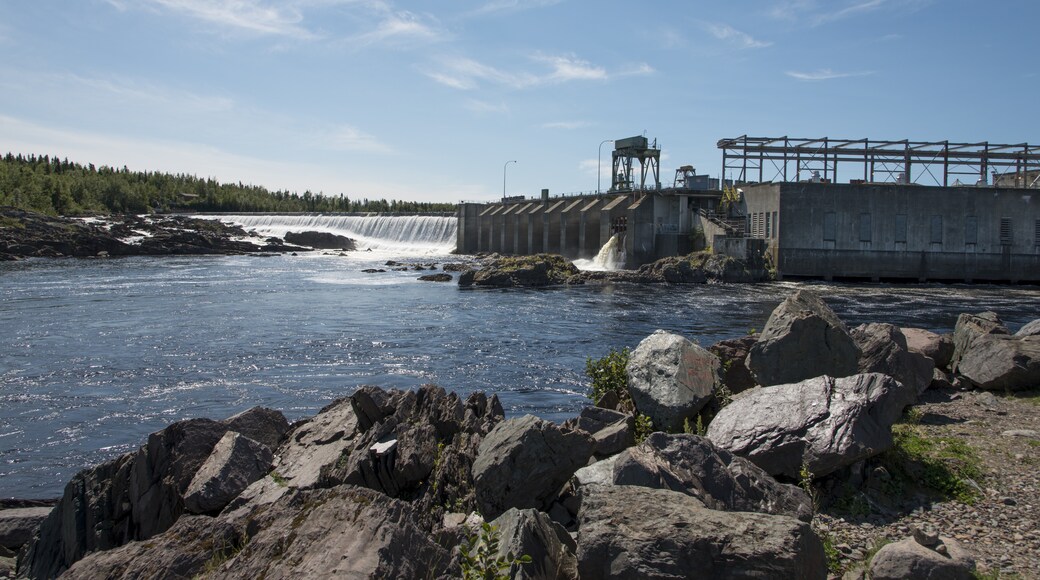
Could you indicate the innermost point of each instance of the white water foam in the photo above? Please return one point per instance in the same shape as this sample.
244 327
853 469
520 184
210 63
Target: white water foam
610 257
397 235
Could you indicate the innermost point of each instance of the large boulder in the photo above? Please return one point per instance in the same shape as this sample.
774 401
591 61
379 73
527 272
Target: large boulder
884 350
632 532
417 444
824 422
938 347
1030 329
612 431
802 339
1002 363
910 559
670 379
732 355
321 240
18 525
720 480
235 463
536 270
531 533
969 328
523 462
137 495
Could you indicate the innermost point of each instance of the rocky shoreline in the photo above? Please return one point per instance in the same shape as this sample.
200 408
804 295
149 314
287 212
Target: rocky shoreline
785 454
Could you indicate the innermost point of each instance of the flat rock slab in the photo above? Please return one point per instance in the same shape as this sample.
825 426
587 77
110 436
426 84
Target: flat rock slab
235 463
18 525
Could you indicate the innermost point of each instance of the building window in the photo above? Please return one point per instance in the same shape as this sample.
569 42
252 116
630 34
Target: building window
900 233
777 224
769 225
1005 232
971 230
830 226
1037 233
936 228
864 227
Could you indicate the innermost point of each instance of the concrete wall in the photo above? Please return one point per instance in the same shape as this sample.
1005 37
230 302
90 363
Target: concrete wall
901 231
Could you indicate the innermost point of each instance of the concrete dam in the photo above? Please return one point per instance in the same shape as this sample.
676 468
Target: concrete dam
889 224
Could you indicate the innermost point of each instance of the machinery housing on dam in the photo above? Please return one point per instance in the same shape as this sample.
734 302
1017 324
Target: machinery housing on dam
904 214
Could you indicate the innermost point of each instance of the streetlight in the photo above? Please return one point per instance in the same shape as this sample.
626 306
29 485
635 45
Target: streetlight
506 164
599 162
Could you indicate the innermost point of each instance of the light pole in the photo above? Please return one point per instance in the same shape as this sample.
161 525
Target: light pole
599 162
504 165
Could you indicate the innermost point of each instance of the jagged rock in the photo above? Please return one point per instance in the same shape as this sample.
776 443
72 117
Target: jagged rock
235 463
135 496
612 431
631 532
938 347
670 379
940 380
884 350
909 559
321 240
721 481
535 270
694 268
802 339
18 525
970 327
825 422
436 278
531 532
1001 362
420 444
599 473
456 267
523 462
181 552
1030 329
732 356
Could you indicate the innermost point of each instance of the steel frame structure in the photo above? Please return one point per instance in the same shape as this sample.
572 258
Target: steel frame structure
882 161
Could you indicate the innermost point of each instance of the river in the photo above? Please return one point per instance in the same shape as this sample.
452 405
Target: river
97 354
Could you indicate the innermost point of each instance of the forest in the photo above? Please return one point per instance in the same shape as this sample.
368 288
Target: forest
59 187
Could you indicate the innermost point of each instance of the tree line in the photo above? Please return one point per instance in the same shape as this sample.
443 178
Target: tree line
59 187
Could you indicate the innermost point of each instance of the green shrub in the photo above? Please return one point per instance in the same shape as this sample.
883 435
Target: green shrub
644 427
608 375
478 556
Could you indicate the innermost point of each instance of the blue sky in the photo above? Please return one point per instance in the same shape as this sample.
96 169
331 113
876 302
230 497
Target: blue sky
427 100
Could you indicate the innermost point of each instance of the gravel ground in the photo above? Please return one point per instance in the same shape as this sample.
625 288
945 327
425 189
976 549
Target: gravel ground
1002 529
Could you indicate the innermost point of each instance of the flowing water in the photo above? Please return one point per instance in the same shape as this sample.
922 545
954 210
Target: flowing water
96 354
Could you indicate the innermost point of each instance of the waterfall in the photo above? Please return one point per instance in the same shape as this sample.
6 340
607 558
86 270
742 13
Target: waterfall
610 257
407 235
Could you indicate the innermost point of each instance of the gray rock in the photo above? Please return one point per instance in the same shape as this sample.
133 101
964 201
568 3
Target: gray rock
1004 363
632 532
611 430
530 532
721 481
969 327
235 463
938 347
260 424
802 339
909 559
599 473
1030 433
18 525
320 240
884 350
523 462
135 496
828 423
940 379
732 355
1030 329
670 379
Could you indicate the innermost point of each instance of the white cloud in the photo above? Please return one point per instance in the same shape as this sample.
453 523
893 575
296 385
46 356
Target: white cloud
349 138
496 6
466 74
734 36
484 107
252 16
399 27
825 74
851 10
816 13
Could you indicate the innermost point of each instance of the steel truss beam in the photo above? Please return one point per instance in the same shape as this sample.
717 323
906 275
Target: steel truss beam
933 162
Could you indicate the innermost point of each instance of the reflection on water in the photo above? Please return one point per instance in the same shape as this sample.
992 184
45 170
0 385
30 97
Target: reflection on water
96 354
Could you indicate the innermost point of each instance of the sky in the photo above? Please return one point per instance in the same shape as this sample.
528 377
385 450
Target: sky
429 100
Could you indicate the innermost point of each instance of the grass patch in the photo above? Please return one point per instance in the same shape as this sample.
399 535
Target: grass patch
945 465
11 223
832 553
